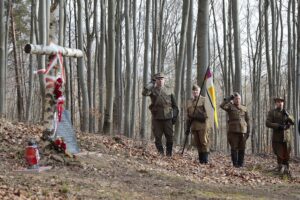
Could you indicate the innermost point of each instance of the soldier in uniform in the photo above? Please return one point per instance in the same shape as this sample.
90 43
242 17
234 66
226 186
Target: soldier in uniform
280 121
238 127
164 112
197 120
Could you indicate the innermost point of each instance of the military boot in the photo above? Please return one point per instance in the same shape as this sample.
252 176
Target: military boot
279 165
287 169
241 155
234 158
205 157
201 160
160 149
169 146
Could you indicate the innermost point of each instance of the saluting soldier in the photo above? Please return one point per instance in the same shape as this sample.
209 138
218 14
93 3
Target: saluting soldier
238 127
280 121
164 112
198 120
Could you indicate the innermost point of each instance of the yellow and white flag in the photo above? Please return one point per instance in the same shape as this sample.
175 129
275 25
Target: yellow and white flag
211 103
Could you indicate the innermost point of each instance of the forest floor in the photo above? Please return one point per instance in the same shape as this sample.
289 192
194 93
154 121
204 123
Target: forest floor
119 168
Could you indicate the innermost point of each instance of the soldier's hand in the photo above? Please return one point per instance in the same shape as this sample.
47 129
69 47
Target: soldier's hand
149 86
281 127
231 97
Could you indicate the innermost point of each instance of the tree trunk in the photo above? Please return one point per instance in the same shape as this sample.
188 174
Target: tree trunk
30 66
110 68
154 37
89 42
269 69
237 47
127 131
160 66
42 40
145 73
178 75
20 106
296 135
202 43
80 72
190 56
2 60
101 65
135 73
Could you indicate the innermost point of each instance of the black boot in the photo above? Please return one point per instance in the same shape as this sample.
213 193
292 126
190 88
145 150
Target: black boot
160 149
169 146
234 158
201 160
241 155
205 157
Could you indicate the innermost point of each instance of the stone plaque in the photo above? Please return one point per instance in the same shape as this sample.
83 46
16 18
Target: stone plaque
65 130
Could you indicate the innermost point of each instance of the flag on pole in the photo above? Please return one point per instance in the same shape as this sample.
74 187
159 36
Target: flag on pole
211 103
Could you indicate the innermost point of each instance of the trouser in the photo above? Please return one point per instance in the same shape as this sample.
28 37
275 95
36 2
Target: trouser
237 144
160 128
282 151
201 141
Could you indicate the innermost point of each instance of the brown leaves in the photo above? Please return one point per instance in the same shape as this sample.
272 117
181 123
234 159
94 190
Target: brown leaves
101 156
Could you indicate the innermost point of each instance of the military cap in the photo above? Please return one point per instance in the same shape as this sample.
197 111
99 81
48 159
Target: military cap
278 99
195 87
235 94
159 75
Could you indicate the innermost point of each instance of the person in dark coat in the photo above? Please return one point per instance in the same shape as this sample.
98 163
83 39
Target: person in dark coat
280 121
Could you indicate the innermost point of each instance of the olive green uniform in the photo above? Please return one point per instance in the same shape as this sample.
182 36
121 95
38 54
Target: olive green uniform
238 130
197 116
281 138
164 110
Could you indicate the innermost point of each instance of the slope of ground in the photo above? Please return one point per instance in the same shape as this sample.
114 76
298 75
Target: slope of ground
118 168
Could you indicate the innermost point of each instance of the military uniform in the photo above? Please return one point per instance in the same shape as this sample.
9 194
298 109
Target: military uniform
279 120
197 117
238 130
164 113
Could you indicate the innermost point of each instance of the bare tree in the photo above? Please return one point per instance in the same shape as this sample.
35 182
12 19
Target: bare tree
30 66
160 66
43 26
89 42
189 50
135 73
101 64
146 66
180 62
110 68
269 68
80 72
127 115
202 41
237 46
20 105
296 139
2 59
119 93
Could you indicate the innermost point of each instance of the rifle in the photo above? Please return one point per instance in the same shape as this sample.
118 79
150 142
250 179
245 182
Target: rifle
188 130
